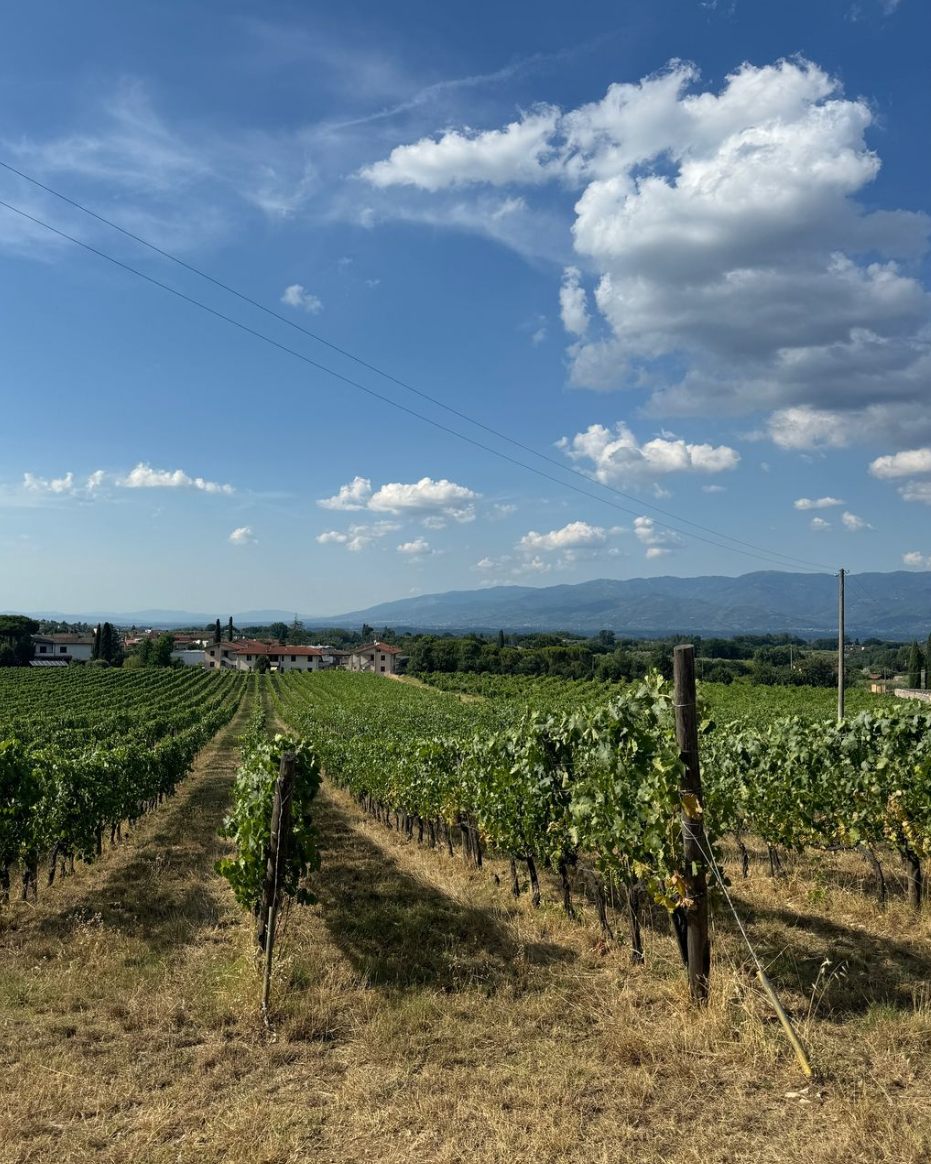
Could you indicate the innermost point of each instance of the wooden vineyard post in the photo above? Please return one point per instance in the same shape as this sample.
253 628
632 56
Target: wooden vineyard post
698 944
277 855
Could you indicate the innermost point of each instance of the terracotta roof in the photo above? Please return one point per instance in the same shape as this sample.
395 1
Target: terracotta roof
75 640
376 647
254 647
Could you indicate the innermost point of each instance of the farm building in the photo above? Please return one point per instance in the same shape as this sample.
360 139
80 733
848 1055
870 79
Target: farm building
381 658
63 647
243 654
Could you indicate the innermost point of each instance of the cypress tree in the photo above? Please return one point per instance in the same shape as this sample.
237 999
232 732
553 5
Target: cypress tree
106 643
95 653
229 629
928 664
217 633
914 666
500 639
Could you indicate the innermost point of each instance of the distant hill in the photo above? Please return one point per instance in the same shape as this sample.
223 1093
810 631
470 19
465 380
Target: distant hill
895 605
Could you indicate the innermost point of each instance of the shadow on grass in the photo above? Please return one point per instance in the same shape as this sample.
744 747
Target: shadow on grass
398 931
155 886
865 969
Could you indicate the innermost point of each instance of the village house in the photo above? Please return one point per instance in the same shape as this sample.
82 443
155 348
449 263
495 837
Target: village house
242 655
381 658
63 648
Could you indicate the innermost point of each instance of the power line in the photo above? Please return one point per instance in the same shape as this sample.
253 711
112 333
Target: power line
371 391
772 554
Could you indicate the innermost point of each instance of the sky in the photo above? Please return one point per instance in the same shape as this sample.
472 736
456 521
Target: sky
649 282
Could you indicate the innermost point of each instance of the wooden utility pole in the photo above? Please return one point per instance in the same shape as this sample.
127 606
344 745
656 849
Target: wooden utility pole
840 646
698 945
277 855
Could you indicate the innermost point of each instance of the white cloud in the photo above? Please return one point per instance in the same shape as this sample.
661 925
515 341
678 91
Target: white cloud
572 302
518 153
538 336
145 477
36 484
816 503
657 540
297 296
434 499
358 537
502 509
917 559
454 501
355 495
916 491
818 524
243 536
854 524
713 489
810 428
534 565
433 522
728 238
575 535
415 548
95 480
615 454
903 464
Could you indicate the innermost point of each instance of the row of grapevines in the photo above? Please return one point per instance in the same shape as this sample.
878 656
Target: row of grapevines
249 822
60 796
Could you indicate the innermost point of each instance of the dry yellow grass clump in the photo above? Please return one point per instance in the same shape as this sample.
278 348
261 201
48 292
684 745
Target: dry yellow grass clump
422 1013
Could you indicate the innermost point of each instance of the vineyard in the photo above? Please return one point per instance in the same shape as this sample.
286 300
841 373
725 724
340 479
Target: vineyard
83 751
483 957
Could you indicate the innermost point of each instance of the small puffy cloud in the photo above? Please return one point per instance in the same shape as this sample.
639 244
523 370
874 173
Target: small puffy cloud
517 153
809 428
485 564
243 536
355 495
534 565
145 477
575 535
415 548
713 489
816 502
433 499
58 485
358 537
538 336
904 464
572 302
658 541
916 491
502 509
435 522
919 560
818 524
616 455
854 524
297 296
95 480
444 497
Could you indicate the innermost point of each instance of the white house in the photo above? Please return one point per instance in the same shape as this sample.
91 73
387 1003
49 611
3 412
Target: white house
381 658
243 654
64 647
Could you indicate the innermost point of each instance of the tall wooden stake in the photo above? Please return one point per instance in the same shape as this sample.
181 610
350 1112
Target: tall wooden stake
840 646
277 855
693 833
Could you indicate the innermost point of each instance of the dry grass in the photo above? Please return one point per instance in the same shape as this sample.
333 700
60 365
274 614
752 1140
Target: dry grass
422 1013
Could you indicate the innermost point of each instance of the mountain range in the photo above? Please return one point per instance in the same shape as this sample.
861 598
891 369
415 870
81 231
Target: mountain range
892 605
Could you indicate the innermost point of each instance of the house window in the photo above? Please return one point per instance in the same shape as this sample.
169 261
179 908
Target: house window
383 659
382 668
294 658
42 650
62 650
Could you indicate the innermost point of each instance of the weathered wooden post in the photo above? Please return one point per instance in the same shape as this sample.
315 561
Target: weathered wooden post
698 945
277 855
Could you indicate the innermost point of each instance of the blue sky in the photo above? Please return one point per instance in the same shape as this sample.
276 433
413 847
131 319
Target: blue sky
678 247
